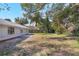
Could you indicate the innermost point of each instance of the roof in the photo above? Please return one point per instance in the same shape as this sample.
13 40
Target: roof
7 23
32 24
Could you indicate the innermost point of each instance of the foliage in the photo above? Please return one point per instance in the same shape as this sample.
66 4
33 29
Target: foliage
66 16
4 6
35 15
8 20
21 21
53 17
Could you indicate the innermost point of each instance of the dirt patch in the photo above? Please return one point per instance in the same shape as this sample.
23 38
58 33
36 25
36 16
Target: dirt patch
39 45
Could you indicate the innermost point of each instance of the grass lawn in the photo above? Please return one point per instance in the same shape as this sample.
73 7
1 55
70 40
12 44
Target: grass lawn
43 45
52 35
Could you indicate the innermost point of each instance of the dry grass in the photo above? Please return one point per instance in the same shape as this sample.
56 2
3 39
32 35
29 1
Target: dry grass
41 45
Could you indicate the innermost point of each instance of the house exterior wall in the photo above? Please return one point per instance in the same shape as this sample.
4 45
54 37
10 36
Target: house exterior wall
25 30
4 32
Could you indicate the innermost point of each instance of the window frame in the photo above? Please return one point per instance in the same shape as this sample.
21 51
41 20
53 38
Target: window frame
11 30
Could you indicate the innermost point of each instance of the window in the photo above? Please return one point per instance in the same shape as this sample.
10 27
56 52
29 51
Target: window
21 31
10 30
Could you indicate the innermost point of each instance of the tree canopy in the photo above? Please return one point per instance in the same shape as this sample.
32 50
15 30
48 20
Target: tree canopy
8 20
21 21
4 6
59 17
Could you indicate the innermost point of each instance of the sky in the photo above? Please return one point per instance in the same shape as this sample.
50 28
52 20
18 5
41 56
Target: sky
15 11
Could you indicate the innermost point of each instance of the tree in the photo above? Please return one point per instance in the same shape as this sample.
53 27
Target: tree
32 9
67 16
4 6
8 20
58 16
21 21
32 12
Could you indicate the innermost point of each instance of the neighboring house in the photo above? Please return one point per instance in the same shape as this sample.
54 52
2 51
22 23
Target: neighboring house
9 30
31 27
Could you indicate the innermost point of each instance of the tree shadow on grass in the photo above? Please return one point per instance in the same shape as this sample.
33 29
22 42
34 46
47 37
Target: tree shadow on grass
34 48
44 49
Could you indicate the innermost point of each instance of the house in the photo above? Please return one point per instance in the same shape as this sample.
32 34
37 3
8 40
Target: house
9 30
32 28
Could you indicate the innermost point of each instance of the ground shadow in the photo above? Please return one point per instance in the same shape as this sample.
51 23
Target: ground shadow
35 48
7 45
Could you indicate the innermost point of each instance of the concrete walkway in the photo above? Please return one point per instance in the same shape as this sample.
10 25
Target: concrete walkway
11 44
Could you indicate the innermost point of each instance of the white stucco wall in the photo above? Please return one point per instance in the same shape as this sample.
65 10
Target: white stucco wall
0 31
4 32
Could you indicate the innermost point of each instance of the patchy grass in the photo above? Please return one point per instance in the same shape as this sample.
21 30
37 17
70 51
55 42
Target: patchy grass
41 45
51 35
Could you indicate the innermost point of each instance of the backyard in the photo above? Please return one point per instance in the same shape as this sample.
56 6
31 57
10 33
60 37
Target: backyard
41 44
54 29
